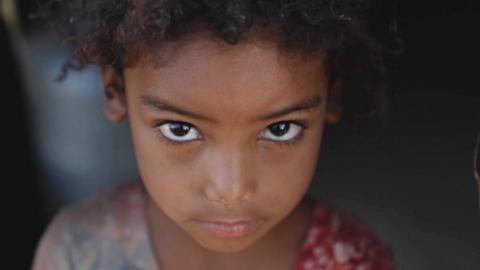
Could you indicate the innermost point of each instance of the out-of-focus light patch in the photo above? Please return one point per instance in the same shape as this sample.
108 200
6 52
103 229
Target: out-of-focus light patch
9 13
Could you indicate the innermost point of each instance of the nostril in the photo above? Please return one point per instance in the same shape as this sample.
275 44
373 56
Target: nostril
227 196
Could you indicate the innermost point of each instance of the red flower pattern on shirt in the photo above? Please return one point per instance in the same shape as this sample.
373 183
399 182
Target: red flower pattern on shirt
337 241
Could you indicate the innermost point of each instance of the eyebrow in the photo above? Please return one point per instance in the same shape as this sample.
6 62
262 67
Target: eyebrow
165 106
304 105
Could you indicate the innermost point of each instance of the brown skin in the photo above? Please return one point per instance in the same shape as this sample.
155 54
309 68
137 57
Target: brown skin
232 167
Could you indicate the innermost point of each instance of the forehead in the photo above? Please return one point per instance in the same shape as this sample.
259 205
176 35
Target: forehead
201 72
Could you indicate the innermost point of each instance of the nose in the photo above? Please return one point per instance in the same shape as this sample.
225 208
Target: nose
230 176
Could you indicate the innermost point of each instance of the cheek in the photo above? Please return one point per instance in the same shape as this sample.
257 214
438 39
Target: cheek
291 174
287 175
164 173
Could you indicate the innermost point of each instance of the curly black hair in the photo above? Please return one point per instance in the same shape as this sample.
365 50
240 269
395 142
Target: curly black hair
109 32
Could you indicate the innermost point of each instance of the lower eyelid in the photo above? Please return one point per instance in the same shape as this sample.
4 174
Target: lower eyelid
290 142
295 139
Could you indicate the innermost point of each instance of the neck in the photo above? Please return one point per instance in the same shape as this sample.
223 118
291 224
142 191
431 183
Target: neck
281 246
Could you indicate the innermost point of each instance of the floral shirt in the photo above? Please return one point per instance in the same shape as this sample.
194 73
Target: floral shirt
110 232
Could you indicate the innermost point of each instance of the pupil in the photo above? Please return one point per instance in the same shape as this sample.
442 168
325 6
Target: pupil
280 129
179 129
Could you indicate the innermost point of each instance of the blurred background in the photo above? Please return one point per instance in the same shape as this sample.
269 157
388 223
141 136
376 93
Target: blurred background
413 182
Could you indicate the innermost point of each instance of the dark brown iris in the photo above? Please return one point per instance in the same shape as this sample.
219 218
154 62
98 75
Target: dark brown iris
280 129
179 129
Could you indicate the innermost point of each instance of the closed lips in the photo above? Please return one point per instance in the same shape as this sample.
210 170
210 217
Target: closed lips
229 229
237 226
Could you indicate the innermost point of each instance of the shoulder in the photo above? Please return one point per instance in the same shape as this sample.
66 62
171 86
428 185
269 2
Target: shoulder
338 240
94 231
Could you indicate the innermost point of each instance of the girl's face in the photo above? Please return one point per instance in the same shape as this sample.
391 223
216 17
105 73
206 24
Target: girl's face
226 137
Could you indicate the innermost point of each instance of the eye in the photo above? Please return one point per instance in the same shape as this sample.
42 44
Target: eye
283 131
178 131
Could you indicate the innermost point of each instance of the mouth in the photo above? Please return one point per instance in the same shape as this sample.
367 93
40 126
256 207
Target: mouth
229 228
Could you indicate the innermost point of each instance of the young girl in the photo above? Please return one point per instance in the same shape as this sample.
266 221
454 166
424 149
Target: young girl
226 102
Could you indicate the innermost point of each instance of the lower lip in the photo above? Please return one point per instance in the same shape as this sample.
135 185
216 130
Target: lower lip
224 230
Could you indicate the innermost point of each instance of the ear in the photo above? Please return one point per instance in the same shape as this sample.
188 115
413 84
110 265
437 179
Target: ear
115 107
334 103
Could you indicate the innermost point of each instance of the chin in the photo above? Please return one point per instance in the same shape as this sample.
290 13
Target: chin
226 245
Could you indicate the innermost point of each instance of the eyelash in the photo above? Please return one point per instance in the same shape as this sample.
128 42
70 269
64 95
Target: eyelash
303 124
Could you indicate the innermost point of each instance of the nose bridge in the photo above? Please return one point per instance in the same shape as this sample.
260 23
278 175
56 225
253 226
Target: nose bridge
229 174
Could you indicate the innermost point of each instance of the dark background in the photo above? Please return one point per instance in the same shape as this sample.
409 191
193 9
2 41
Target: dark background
421 166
